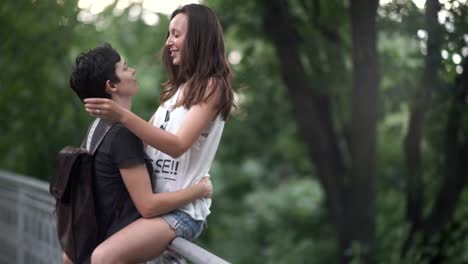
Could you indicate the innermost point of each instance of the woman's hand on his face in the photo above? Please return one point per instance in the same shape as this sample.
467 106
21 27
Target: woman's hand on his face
206 187
104 108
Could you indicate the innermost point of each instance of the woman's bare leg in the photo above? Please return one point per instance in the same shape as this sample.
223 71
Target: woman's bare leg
138 242
66 260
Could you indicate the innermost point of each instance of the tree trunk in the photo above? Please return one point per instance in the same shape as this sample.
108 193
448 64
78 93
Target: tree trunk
361 208
420 106
311 109
456 168
351 209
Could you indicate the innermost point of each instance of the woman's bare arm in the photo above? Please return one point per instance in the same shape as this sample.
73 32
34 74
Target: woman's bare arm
151 204
196 120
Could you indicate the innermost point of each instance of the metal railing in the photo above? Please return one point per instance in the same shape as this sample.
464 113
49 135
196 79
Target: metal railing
27 225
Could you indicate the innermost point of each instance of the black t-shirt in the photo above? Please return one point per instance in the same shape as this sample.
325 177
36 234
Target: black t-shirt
119 149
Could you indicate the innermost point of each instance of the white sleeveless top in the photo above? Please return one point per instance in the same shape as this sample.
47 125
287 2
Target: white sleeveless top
175 174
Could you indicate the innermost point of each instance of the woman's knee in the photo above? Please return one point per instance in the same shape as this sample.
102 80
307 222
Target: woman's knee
103 256
66 260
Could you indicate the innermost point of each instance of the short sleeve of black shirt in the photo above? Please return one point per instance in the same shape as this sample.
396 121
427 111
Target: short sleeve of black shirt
126 149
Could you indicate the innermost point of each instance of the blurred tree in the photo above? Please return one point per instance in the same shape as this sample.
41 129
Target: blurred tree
38 114
349 190
314 60
420 106
430 226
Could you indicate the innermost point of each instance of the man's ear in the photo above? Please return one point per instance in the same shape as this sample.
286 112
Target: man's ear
110 87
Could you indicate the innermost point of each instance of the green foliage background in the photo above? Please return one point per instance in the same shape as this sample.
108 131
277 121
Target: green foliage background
268 205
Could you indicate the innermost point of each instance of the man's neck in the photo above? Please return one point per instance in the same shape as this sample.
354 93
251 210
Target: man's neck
125 102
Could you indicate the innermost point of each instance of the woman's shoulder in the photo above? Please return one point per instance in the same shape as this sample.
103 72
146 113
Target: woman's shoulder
213 90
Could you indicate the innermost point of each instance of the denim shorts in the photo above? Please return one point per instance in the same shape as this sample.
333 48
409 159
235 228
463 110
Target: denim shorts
184 225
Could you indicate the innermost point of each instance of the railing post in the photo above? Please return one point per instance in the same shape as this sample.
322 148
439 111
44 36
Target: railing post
20 252
195 253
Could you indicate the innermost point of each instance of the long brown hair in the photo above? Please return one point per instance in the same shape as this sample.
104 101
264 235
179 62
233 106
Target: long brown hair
203 62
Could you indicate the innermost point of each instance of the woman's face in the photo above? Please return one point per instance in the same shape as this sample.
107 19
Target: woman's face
175 41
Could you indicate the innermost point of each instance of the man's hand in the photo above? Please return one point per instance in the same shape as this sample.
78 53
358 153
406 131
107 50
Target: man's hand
206 188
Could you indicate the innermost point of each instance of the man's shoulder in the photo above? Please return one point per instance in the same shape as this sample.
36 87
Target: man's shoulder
123 135
118 127
121 130
117 131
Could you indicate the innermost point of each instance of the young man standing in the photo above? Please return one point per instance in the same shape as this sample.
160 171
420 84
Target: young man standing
123 189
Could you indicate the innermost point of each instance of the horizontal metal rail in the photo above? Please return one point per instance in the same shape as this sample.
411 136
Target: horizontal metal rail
27 225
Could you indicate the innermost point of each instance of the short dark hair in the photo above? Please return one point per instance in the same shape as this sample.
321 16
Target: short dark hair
91 71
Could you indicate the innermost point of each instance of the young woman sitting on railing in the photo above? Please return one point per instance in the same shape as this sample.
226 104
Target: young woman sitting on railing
182 136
